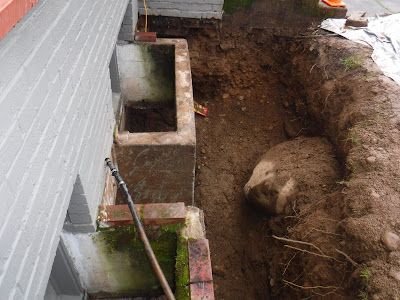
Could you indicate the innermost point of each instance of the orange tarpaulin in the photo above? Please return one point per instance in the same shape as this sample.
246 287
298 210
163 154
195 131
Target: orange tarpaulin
11 11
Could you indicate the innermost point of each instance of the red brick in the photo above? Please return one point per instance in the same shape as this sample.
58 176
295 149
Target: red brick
146 37
199 261
11 12
202 291
164 213
151 214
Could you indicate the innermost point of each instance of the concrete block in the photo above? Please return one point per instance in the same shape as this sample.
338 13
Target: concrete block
159 166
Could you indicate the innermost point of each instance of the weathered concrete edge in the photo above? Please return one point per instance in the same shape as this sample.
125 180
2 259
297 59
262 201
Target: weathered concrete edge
186 132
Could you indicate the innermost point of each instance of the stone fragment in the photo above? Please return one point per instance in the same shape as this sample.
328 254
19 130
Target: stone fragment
218 270
371 159
391 240
395 274
375 194
305 164
357 19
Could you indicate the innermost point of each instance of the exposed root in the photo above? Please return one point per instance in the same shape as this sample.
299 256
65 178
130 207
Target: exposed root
312 253
347 257
310 287
299 242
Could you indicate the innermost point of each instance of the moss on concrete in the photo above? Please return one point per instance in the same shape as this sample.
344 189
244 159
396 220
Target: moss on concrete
182 291
231 6
126 262
159 63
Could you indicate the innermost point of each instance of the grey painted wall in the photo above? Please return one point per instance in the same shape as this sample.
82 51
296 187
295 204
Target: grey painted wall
129 22
199 9
56 123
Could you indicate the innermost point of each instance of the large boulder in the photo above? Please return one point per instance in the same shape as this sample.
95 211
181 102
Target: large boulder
303 169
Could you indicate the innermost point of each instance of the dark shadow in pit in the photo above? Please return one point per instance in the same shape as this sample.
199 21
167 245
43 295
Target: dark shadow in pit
154 119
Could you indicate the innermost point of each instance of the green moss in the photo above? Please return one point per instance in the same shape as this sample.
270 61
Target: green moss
126 262
160 72
231 6
182 270
172 228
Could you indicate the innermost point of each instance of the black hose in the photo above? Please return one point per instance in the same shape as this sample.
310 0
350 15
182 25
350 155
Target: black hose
142 234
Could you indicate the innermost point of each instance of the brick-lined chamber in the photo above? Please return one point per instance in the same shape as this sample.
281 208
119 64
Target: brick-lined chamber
157 166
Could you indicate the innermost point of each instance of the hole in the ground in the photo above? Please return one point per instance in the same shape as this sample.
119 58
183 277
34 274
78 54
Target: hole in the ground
160 118
263 91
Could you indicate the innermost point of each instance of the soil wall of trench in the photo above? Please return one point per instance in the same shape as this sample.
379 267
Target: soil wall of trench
344 244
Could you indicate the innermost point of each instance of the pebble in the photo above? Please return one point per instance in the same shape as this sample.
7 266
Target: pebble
371 159
241 98
244 108
395 274
225 96
218 270
271 282
203 151
391 240
375 194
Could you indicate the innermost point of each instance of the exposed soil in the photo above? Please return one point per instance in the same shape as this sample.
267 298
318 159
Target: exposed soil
150 119
262 90
241 126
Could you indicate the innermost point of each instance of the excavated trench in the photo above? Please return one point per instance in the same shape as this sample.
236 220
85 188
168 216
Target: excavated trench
263 90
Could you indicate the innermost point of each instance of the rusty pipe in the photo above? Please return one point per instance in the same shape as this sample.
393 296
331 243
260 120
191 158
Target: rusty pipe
142 234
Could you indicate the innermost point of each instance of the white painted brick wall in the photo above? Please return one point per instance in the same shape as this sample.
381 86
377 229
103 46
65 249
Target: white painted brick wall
199 9
56 122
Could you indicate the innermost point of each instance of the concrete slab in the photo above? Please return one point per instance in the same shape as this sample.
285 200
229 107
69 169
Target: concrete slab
373 7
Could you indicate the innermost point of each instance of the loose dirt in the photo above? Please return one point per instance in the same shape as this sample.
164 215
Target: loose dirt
240 127
263 89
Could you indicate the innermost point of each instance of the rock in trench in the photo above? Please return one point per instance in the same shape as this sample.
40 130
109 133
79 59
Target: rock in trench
391 240
301 168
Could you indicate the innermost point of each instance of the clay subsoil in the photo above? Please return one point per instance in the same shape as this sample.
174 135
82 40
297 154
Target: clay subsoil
262 89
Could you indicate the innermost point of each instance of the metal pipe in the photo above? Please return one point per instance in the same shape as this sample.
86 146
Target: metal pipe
142 234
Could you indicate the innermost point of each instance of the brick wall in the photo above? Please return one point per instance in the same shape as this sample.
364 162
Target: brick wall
199 9
56 123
